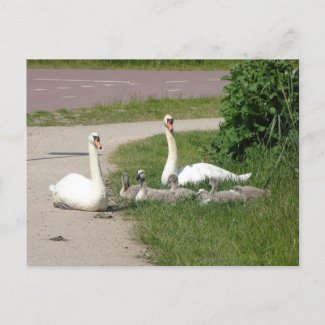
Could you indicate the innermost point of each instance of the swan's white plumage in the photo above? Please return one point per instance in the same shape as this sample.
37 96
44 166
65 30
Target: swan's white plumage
194 173
199 172
75 191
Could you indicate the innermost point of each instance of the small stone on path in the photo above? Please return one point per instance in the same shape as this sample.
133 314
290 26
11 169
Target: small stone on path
58 238
104 215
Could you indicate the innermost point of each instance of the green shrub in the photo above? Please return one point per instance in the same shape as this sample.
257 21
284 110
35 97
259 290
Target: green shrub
261 105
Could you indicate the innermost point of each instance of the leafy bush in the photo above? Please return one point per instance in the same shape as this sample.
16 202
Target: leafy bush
261 106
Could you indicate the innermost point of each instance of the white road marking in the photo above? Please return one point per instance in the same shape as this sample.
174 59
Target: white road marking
72 96
63 87
175 81
109 85
40 89
83 80
77 80
87 86
113 81
174 90
216 79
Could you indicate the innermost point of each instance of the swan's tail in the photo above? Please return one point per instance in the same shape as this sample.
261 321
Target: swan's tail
52 188
244 177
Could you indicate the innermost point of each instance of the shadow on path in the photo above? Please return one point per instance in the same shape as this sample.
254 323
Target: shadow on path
63 155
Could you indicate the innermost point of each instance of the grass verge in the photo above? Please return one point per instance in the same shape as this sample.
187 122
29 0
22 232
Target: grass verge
133 64
261 232
133 111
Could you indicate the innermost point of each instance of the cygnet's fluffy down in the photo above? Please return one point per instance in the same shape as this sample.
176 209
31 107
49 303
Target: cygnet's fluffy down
222 196
251 192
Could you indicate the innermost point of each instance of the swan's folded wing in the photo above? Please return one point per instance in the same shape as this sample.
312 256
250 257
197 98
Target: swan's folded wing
199 172
189 174
73 187
196 173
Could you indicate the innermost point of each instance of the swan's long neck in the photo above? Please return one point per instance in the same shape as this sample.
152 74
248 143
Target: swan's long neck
171 163
125 185
142 194
174 186
95 171
214 187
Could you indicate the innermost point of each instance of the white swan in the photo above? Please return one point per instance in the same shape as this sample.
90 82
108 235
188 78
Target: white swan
77 192
191 173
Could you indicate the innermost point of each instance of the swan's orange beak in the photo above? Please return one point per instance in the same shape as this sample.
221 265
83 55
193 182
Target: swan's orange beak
98 144
170 127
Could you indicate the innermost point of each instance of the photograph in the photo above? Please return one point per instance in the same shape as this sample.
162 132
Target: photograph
162 162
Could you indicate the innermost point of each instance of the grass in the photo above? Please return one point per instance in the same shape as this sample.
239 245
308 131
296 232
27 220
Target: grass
133 64
261 232
135 110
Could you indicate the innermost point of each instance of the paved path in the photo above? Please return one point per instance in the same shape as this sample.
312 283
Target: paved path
51 89
53 152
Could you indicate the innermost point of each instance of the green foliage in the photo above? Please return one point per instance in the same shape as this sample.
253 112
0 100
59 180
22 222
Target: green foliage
261 106
132 111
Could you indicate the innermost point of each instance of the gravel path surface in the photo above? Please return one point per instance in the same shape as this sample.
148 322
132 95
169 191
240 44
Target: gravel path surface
53 152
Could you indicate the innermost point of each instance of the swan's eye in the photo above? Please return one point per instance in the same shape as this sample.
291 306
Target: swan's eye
96 138
170 121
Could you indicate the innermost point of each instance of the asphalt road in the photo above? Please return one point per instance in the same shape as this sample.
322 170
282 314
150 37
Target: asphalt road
51 89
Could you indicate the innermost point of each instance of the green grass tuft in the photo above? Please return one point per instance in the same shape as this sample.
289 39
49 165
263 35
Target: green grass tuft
133 111
133 64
